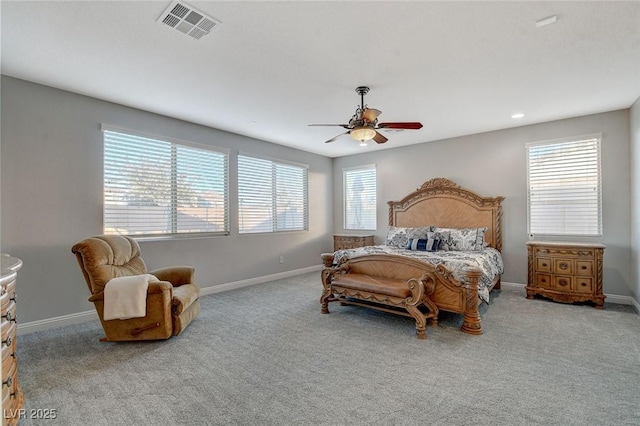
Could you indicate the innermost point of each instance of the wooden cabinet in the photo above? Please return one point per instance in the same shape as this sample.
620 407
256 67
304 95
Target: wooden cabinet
341 241
12 399
566 272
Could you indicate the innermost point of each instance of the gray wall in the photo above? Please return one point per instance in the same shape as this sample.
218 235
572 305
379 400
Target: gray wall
494 164
51 193
635 199
51 183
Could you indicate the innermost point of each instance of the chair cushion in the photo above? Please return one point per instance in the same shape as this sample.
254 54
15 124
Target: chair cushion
183 297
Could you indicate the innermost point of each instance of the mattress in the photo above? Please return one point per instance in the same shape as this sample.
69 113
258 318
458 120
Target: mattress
489 261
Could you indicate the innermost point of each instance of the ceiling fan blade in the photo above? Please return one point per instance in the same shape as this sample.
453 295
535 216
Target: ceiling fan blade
336 137
346 126
409 125
379 138
370 114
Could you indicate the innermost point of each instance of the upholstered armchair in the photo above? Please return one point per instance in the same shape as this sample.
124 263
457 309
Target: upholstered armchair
171 303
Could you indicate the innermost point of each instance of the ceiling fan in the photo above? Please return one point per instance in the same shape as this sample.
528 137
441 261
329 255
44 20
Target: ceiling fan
364 125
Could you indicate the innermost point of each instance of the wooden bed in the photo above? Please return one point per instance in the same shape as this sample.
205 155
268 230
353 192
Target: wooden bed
438 202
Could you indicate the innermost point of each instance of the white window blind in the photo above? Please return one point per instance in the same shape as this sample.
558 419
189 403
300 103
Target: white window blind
272 196
564 187
359 194
160 188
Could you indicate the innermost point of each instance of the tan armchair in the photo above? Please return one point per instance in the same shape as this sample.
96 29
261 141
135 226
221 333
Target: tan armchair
171 303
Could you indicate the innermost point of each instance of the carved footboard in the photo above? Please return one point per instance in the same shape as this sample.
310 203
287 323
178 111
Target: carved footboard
444 292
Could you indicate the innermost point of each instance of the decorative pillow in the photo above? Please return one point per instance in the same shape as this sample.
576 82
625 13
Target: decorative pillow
397 236
428 244
419 233
464 239
443 237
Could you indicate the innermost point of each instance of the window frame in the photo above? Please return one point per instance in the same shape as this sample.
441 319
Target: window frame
176 145
274 162
346 192
598 232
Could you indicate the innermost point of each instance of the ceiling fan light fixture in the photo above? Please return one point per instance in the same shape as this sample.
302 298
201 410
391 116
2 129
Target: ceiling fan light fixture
362 133
363 143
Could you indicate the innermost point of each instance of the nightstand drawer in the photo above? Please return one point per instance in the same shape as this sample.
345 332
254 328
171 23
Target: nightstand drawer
544 281
342 242
584 267
562 282
584 285
563 266
543 264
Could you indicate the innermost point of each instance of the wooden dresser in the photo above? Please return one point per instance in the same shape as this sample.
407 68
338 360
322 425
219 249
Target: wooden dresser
343 241
566 272
12 399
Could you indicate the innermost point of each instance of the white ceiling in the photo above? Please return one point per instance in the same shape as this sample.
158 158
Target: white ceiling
271 68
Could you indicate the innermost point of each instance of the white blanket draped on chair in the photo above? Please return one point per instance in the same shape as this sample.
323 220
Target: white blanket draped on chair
126 297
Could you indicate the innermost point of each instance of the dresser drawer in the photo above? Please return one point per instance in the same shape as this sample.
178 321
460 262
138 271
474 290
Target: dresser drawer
9 379
8 335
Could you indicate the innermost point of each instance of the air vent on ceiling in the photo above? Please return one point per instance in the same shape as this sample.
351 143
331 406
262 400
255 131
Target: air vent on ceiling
188 20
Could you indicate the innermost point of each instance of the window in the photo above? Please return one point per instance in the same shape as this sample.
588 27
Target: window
359 193
272 196
160 188
564 189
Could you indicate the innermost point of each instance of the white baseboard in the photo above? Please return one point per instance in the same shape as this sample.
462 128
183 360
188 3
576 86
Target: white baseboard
55 322
610 298
511 285
258 280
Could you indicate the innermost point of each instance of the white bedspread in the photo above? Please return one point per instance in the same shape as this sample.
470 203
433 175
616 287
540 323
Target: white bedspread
489 261
126 297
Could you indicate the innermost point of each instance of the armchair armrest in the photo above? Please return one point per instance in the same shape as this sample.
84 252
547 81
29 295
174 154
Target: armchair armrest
156 287
176 275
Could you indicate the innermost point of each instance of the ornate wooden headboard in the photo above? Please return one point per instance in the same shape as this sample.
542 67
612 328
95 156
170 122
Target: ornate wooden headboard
446 204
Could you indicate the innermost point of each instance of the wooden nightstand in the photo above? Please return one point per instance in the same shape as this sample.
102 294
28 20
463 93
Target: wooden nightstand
566 272
342 241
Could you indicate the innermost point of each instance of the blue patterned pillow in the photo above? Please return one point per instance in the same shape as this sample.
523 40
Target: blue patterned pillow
429 244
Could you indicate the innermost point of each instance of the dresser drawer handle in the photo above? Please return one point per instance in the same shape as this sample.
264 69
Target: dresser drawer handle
7 316
14 298
562 282
14 394
8 341
544 264
583 267
583 284
564 265
543 280
8 382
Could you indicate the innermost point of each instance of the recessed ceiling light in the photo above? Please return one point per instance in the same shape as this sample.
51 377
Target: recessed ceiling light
546 21
517 115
